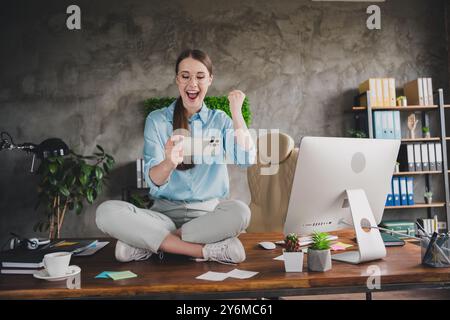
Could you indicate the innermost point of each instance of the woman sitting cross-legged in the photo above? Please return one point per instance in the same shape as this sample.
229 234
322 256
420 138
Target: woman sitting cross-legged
190 214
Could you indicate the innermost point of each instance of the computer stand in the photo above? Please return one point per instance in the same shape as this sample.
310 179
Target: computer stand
370 244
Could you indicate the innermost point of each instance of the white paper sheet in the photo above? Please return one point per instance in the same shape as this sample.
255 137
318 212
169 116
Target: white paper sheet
241 274
213 276
220 276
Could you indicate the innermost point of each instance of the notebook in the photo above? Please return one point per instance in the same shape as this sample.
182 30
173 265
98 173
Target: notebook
391 240
33 259
19 271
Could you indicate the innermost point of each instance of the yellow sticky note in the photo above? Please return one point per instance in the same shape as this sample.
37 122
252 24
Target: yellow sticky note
65 244
343 245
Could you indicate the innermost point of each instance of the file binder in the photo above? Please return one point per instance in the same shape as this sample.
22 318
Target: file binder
410 154
438 148
396 191
379 88
417 157
420 87
390 125
410 190
406 157
424 152
425 91
431 156
392 95
390 198
403 191
378 125
430 91
386 92
397 125
385 124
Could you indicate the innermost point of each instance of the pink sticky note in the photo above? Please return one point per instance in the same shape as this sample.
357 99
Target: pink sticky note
336 247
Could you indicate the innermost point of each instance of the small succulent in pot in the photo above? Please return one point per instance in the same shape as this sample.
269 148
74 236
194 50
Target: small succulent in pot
426 132
320 241
402 101
319 254
292 254
292 243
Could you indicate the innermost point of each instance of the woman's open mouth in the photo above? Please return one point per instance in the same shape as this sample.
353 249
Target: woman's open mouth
192 94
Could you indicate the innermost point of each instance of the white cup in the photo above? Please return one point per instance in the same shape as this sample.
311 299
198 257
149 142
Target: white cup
57 263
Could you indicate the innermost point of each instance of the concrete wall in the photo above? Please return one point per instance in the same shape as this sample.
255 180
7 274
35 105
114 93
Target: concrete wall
299 63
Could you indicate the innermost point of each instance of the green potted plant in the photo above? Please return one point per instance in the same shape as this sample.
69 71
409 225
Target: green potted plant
319 254
402 101
65 182
428 196
292 254
426 132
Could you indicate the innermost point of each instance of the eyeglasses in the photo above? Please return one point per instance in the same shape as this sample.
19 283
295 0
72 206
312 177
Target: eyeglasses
185 77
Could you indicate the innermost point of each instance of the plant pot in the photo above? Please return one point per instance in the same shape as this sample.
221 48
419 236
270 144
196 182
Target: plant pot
427 135
402 102
319 260
293 261
428 200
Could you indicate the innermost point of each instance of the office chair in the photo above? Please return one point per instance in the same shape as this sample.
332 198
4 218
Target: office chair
270 193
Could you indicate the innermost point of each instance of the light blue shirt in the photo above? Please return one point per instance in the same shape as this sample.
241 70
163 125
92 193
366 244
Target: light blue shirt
205 181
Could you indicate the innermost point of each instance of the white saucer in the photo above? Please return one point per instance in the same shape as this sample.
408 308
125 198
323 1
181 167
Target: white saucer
71 271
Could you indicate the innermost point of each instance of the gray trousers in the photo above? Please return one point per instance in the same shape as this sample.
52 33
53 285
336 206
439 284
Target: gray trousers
147 228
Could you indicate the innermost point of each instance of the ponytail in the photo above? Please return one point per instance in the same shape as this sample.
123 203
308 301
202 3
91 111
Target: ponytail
180 121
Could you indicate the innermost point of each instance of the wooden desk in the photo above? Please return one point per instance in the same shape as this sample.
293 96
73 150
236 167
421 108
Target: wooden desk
174 276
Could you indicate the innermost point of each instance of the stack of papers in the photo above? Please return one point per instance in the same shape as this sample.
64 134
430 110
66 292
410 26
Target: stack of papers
220 276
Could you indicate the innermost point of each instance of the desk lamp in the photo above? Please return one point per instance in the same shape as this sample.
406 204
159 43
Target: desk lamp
47 148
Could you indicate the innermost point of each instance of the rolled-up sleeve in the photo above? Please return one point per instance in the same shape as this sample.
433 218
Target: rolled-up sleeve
241 157
153 153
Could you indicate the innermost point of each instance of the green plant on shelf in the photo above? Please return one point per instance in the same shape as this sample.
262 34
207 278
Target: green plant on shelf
428 195
401 101
426 132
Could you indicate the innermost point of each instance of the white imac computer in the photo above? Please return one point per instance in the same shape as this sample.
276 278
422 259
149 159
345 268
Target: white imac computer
340 183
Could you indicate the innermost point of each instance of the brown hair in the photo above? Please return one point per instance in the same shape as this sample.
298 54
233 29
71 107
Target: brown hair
180 120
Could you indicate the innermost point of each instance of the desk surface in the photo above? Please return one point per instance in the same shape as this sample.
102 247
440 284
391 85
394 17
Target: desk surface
174 276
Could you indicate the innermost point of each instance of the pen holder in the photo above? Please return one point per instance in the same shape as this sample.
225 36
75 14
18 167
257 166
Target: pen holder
436 251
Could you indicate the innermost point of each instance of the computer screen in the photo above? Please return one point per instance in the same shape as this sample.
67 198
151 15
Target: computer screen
326 168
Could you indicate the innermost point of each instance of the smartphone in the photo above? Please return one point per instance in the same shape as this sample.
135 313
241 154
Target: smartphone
207 146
